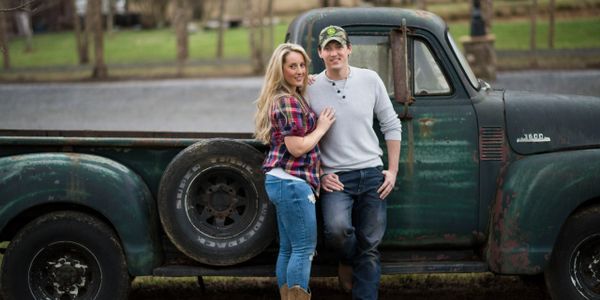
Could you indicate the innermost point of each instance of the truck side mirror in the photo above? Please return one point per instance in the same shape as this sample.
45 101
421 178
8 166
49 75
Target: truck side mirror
400 66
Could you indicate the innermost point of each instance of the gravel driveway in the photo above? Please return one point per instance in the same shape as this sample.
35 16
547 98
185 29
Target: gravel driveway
198 105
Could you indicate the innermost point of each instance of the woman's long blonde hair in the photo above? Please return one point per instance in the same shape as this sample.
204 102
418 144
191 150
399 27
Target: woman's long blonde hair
275 87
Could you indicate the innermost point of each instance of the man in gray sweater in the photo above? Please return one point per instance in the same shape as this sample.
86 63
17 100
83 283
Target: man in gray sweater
355 184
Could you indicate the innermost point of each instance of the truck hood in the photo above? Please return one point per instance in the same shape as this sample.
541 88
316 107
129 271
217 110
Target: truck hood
545 123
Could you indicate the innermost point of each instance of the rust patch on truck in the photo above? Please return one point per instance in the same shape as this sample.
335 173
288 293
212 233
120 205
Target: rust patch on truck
425 127
75 189
508 249
450 237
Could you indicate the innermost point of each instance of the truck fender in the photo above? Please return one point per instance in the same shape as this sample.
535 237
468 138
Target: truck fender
103 185
534 199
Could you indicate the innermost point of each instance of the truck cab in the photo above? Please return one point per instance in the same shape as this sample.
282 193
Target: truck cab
437 197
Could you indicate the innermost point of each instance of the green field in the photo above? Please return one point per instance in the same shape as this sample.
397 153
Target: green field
515 35
132 47
158 46
151 53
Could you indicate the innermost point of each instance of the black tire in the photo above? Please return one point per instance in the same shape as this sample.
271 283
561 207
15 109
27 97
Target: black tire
64 253
574 268
213 205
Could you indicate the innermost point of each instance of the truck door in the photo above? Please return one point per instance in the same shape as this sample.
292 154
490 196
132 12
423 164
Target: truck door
435 202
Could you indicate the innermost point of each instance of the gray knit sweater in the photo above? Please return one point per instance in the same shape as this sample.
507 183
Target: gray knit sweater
351 142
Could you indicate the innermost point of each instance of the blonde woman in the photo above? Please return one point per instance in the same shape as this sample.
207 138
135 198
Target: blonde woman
286 122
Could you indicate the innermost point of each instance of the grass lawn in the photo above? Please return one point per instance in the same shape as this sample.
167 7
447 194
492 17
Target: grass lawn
132 47
514 35
151 53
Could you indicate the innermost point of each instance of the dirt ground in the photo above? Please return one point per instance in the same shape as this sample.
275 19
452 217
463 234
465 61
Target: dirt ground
416 287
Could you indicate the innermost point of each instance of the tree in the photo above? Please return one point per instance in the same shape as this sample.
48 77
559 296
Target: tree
3 38
23 21
271 25
551 23
181 15
23 5
533 33
487 11
95 17
80 36
254 16
533 16
221 32
4 10
110 16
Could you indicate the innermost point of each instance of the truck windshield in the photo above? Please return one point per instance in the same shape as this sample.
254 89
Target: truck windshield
463 62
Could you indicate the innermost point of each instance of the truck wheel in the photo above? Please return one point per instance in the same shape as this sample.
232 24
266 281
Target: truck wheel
213 205
574 268
64 255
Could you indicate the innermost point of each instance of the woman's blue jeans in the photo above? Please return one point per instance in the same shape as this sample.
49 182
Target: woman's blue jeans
297 223
354 222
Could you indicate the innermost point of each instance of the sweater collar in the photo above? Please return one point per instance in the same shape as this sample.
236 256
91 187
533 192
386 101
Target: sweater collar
350 74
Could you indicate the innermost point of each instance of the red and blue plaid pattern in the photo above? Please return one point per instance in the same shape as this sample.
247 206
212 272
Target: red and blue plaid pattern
293 117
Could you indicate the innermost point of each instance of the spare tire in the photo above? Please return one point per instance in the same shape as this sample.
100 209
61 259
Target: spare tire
213 205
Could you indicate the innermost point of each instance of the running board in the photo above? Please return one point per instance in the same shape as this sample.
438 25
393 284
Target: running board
434 267
322 270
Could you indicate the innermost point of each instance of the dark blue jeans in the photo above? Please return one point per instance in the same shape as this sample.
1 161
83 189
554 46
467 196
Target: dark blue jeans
354 222
297 223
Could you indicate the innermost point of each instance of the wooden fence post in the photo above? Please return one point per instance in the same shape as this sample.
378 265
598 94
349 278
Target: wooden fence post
551 23
533 33
4 47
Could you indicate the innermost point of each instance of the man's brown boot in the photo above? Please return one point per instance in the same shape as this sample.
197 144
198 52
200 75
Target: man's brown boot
345 277
298 293
283 292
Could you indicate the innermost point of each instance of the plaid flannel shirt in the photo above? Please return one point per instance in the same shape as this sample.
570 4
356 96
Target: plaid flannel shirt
293 117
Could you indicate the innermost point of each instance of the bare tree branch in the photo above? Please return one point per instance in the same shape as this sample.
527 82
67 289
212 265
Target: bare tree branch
22 6
44 6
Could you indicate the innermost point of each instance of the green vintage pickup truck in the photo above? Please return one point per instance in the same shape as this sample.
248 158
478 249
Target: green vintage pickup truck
490 181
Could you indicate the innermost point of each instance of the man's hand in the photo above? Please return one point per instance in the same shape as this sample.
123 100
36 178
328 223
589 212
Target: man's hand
388 183
331 182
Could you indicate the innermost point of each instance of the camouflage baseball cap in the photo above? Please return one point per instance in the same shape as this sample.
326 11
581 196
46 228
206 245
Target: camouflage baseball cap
333 33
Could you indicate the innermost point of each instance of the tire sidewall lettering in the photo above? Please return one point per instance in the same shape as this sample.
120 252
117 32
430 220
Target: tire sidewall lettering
212 202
